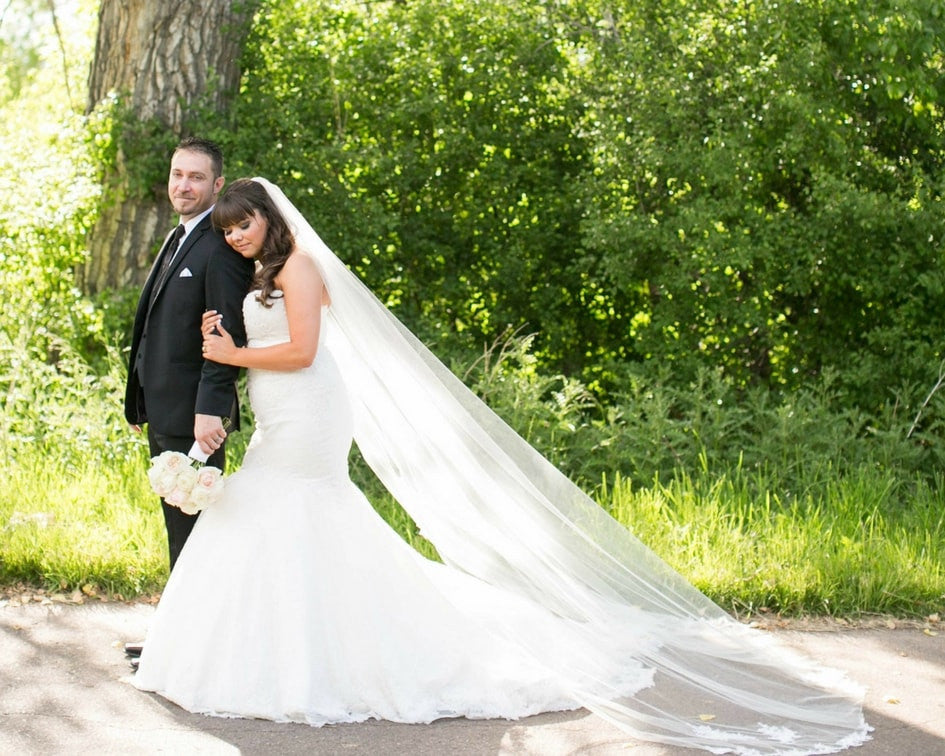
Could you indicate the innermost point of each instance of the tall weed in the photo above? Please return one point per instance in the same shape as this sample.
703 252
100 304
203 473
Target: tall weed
847 549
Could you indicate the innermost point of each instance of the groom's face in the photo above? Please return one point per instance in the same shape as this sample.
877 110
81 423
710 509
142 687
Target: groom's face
191 186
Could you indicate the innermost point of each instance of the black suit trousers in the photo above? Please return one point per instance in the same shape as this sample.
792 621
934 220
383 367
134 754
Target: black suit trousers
179 524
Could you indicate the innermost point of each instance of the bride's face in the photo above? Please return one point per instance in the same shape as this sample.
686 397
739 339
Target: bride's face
247 236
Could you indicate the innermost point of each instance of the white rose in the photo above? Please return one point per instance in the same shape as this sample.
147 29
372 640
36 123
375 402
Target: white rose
177 498
208 489
164 471
188 506
172 460
185 479
161 480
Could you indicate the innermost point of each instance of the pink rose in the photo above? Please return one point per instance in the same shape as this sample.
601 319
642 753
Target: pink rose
208 488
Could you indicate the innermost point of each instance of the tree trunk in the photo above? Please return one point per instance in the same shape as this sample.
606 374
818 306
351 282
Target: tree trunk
164 65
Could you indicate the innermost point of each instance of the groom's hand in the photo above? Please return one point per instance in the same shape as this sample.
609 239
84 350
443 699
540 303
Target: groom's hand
209 432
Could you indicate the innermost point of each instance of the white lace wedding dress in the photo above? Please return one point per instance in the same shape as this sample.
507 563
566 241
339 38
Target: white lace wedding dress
294 601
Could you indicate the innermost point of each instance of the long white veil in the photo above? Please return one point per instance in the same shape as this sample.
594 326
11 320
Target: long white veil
497 510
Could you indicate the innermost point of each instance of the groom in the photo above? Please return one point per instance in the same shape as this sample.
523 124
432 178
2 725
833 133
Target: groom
181 397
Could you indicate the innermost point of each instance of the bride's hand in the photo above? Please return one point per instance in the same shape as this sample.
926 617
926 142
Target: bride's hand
219 346
211 318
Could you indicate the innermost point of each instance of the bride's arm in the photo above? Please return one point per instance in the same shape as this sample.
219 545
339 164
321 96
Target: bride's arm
304 293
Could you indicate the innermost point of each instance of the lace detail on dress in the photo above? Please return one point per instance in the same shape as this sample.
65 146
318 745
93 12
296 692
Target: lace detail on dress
302 415
265 326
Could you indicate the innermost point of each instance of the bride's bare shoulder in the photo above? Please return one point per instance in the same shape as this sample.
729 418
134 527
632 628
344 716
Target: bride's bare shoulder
300 270
299 263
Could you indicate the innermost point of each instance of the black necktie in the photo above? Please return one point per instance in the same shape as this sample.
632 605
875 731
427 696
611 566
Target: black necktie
166 255
170 249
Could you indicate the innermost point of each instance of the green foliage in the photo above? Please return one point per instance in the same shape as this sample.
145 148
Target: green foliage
48 205
749 187
430 143
720 224
130 153
553 413
766 196
791 444
19 54
73 512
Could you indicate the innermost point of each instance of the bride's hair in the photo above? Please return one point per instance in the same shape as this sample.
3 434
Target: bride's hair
237 203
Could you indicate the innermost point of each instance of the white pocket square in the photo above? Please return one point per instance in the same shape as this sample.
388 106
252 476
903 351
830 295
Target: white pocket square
185 273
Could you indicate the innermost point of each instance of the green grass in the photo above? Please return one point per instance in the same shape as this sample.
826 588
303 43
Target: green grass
852 548
94 528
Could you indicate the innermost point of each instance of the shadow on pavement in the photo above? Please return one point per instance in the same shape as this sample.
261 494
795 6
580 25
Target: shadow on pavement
64 687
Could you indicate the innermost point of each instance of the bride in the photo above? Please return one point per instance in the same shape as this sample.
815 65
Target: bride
294 601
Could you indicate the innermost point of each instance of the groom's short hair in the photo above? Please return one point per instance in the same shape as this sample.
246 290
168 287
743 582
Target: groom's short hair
205 146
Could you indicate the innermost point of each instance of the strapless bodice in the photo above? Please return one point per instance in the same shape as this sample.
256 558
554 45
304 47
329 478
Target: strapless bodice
302 414
266 326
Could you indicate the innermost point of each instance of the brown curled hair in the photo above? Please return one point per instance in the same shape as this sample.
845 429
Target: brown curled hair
238 202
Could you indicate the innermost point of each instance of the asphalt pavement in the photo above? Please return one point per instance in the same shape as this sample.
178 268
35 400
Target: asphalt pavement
64 689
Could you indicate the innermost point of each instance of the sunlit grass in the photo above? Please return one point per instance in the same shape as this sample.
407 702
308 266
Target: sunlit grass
851 548
66 528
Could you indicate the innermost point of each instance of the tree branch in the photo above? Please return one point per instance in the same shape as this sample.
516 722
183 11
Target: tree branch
62 48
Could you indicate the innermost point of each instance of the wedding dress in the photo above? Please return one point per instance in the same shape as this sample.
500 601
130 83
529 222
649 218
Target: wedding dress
294 601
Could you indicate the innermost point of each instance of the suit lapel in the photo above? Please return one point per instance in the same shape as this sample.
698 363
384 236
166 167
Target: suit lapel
176 264
178 261
151 281
156 262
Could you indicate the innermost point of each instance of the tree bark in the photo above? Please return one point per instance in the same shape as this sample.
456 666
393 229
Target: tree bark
163 64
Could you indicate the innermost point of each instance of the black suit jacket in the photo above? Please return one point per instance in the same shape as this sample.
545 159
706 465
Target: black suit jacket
168 379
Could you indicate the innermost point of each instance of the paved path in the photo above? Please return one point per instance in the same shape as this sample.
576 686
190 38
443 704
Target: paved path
64 689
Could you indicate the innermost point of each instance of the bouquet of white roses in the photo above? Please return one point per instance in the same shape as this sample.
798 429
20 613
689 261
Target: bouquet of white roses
175 478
